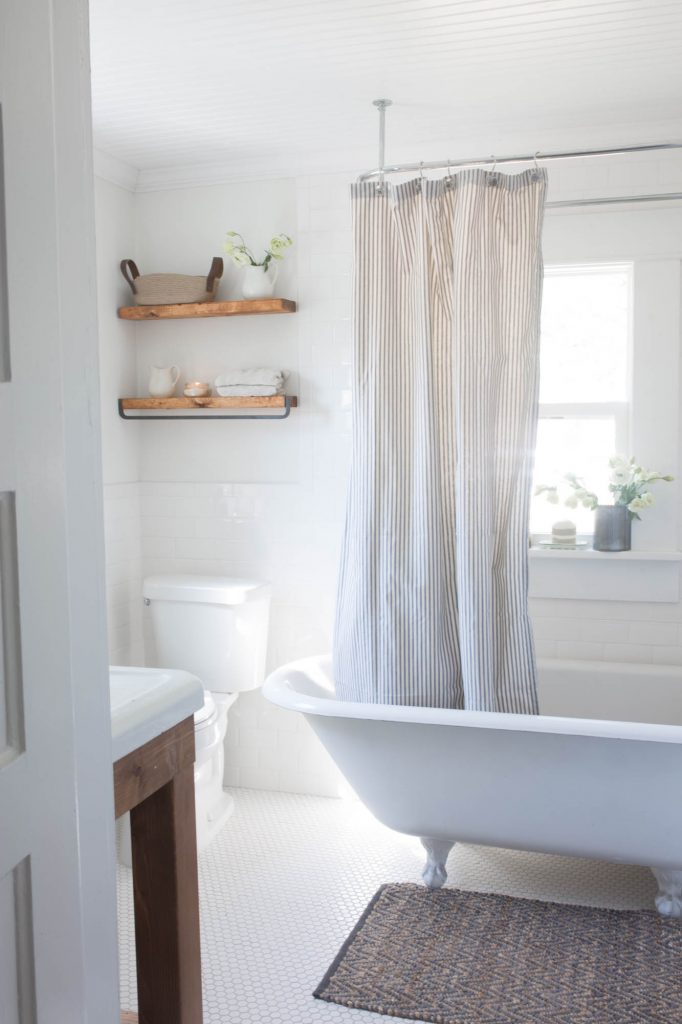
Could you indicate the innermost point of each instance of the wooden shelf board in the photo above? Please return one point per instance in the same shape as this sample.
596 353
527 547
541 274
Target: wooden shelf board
213 402
251 307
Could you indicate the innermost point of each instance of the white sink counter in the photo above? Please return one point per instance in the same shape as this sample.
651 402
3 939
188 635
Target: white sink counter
146 702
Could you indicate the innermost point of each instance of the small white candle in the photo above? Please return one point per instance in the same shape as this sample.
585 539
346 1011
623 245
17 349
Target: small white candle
564 533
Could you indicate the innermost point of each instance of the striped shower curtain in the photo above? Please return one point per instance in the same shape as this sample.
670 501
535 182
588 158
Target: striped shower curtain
432 600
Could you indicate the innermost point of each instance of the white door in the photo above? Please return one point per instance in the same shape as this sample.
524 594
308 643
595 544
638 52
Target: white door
58 960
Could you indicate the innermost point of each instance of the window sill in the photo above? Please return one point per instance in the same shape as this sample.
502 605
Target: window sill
590 555
581 574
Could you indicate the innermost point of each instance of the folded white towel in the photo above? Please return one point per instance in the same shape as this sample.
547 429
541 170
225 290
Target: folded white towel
262 375
244 390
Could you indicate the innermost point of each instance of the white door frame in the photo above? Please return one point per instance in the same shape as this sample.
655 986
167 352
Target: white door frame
58 950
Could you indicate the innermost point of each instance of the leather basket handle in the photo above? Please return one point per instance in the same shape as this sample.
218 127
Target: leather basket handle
130 272
215 273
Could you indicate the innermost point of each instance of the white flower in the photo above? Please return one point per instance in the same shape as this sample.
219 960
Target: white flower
552 497
620 469
278 243
636 505
240 258
619 476
584 497
648 498
571 501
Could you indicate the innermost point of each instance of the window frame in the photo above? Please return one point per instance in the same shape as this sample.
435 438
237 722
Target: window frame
619 411
650 238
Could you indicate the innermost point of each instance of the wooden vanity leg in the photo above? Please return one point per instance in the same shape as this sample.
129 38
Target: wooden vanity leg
166 900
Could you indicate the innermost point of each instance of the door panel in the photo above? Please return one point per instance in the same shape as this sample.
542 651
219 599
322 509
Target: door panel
57 867
17 987
11 694
4 322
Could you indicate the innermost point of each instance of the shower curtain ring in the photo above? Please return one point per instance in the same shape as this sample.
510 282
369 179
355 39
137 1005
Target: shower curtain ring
536 165
448 177
492 180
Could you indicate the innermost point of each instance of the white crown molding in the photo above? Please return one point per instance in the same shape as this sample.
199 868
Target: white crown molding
110 168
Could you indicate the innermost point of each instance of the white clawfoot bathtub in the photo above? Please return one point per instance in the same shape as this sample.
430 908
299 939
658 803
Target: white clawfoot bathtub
602 783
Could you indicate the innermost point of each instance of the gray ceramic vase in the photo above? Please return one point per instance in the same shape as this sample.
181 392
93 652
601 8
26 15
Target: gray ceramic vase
612 525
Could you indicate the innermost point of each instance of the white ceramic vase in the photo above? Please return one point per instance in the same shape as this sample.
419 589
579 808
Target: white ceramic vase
257 283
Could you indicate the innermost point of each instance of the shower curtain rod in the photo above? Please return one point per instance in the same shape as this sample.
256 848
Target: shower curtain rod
577 154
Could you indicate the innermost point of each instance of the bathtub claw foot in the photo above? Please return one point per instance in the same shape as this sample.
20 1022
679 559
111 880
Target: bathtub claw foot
434 874
669 898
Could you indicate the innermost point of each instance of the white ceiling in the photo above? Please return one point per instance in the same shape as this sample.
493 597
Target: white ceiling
258 85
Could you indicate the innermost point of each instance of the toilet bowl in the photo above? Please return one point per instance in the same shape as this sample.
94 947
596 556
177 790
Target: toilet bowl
216 628
213 804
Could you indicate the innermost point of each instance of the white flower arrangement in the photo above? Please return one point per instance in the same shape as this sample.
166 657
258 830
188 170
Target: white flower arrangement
242 256
628 483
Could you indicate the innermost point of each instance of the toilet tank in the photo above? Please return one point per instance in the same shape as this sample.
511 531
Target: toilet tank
215 627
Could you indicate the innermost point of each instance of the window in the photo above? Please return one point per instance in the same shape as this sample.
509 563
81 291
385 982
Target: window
585 360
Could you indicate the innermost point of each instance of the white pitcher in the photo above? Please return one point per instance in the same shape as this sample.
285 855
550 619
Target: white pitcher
258 283
162 381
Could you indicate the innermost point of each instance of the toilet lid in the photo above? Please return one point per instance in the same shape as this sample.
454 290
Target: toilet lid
206 710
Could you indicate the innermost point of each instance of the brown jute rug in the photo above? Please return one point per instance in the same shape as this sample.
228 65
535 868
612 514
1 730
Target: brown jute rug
457 957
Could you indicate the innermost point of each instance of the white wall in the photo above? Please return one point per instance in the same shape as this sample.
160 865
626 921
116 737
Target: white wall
114 209
267 499
180 231
253 498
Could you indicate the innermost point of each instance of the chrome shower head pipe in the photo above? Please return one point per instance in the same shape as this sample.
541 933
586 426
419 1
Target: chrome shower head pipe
381 106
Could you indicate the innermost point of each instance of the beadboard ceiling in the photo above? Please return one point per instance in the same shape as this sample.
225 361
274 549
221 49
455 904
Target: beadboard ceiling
266 86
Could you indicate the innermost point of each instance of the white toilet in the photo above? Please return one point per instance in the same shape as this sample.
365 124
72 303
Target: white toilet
216 628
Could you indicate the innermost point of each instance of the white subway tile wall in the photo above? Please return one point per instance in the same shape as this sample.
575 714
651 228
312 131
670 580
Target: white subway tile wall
288 531
123 568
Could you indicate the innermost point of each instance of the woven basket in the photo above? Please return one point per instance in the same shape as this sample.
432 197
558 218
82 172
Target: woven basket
171 289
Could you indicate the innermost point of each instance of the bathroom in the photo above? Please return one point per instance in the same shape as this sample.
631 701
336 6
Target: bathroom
217 118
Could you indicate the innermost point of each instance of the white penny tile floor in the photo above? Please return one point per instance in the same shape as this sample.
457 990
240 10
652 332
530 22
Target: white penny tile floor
285 881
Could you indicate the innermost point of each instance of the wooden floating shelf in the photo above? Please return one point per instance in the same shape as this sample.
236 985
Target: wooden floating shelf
211 402
175 407
187 310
